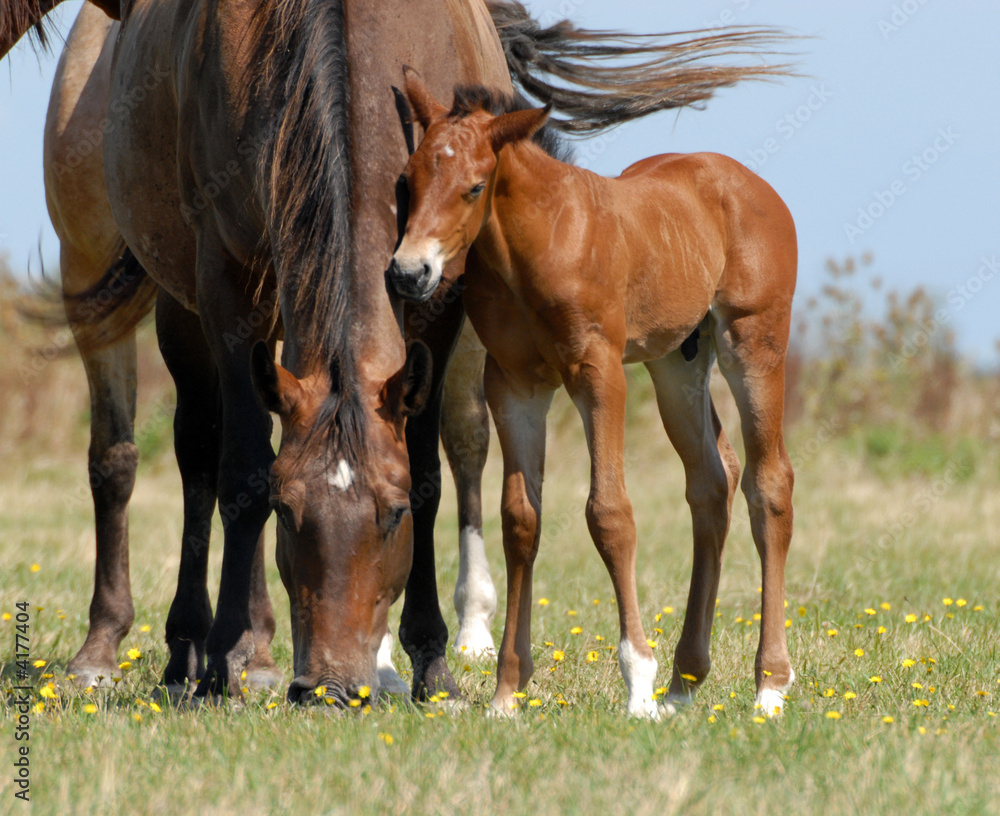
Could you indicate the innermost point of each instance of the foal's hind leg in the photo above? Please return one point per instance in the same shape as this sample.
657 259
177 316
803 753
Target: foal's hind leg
755 371
712 471
465 432
113 459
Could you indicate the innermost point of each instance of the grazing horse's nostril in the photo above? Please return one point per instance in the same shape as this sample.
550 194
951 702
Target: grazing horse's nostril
425 273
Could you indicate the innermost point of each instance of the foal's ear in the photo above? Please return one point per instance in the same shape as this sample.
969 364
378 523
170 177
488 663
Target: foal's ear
513 127
406 392
424 105
278 387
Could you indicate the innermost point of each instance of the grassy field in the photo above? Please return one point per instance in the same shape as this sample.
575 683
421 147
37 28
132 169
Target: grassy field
893 618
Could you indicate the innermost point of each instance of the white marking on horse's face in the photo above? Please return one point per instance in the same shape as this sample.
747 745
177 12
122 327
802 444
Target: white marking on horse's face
448 151
342 477
475 596
414 257
640 674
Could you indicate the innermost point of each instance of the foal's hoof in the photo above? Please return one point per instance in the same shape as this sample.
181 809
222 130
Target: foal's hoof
84 677
474 643
644 708
674 703
771 702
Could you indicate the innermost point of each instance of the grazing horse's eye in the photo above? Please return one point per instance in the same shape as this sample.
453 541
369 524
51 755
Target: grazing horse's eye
395 517
476 191
281 511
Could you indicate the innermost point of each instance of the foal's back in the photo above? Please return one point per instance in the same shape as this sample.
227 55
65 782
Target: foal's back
689 232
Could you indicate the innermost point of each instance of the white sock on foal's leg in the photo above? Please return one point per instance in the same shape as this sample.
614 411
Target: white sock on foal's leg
475 596
640 674
389 680
772 701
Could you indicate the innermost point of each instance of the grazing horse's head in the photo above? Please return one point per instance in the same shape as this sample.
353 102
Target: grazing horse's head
345 534
450 178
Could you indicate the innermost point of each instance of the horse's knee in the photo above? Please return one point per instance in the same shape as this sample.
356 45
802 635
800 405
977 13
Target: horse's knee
112 473
521 527
768 487
609 517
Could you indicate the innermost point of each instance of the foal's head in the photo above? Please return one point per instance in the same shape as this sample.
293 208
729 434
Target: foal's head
450 179
340 488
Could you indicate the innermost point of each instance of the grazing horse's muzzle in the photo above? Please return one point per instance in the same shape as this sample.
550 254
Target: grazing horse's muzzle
415 278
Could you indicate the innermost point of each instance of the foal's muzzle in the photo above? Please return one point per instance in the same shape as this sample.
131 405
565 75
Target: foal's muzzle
413 281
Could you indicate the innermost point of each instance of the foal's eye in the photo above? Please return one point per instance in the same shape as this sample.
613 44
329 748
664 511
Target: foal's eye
476 191
395 517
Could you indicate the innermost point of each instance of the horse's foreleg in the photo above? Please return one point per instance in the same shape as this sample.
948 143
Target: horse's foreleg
597 386
465 433
520 422
711 470
422 630
757 377
113 459
244 464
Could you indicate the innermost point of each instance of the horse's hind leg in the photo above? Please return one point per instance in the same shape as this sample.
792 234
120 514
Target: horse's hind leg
711 471
113 459
465 432
751 348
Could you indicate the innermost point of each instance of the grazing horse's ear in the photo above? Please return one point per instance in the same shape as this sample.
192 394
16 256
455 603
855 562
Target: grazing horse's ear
424 105
278 387
513 127
406 392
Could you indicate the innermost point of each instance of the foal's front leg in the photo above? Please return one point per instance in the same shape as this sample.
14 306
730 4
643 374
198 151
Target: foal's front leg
519 417
597 387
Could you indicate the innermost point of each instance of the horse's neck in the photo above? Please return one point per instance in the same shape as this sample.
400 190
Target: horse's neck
529 190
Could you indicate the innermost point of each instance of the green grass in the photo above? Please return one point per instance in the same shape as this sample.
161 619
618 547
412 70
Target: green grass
862 540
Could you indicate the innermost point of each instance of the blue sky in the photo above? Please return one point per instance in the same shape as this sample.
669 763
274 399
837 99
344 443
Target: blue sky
889 145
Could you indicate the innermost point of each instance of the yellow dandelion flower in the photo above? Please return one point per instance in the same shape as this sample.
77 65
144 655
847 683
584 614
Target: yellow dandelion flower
711 718
386 738
520 695
90 708
885 605
927 618
145 627
543 601
829 692
788 623
576 630
881 630
833 715
760 720
947 601
977 608
137 716
668 610
802 611
598 638
38 664
355 703
983 693
155 707
6 616
319 691
596 602
558 655
36 567
911 618
571 612
849 695
651 643
272 704
125 664
243 674
888 720
786 603
48 692
592 657
961 602
485 671
831 632
859 652
534 702
875 679
47 676
732 694
38 708
739 619
921 730
908 662
689 677
364 692
756 616
136 654
870 611
718 707
916 685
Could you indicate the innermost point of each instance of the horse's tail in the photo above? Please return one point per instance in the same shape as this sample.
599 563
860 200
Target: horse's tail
18 17
670 74
106 311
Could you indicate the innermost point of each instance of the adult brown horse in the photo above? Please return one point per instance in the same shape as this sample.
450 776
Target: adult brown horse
210 205
573 274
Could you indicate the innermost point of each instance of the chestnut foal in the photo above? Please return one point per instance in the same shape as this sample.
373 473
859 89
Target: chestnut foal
572 274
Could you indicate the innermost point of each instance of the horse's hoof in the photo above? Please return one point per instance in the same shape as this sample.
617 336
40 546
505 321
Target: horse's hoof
673 704
92 676
771 701
263 678
644 708
474 643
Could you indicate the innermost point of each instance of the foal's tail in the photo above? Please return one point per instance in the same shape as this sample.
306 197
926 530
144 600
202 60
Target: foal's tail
106 311
670 74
